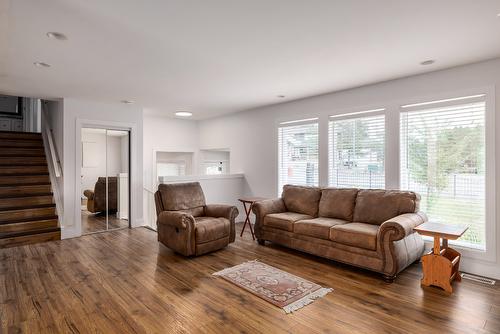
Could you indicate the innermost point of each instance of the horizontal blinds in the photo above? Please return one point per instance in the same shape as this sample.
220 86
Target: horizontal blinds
443 159
356 152
298 155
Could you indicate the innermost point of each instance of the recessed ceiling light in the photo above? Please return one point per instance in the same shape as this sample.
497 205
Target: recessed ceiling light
126 101
280 96
183 114
40 64
57 35
428 62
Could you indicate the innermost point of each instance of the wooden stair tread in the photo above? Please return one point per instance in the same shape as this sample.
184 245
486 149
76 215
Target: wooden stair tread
25 190
13 180
22 161
20 135
21 143
30 239
24 170
21 152
30 232
11 216
13 203
29 225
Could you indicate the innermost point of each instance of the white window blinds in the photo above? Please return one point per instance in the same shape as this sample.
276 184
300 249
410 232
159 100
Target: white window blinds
443 159
356 152
298 154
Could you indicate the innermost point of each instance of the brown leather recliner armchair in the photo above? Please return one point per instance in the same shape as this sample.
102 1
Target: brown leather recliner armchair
187 225
96 200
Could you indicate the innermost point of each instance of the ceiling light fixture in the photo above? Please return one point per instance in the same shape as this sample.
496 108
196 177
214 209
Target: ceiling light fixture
57 35
428 62
126 101
183 114
40 64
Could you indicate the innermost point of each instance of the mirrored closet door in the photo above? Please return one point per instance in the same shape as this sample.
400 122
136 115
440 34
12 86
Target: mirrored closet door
105 179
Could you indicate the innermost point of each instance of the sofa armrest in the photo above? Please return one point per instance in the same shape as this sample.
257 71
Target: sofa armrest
176 219
89 194
400 226
263 208
399 245
226 211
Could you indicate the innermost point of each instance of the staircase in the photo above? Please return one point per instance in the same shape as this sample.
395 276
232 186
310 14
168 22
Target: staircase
27 210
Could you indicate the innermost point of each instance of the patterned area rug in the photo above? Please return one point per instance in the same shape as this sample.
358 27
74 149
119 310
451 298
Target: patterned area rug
278 287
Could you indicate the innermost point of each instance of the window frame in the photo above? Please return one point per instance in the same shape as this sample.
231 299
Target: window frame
290 122
352 116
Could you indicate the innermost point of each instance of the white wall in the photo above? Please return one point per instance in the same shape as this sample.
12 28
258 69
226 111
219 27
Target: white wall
80 113
251 135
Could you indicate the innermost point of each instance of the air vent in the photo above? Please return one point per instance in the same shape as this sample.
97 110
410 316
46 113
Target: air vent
478 279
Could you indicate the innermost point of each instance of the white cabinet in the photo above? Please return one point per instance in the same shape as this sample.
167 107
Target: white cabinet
11 124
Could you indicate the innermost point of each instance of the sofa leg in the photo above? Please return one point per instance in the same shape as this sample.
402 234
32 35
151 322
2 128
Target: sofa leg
261 242
389 278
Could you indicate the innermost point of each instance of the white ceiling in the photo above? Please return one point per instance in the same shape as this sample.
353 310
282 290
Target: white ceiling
220 56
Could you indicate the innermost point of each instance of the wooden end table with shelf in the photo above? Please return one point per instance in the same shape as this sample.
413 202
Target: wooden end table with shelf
250 201
441 266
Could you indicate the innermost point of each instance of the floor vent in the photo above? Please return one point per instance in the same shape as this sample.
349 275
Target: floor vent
478 279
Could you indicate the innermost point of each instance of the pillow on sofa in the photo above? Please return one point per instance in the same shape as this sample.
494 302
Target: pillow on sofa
337 203
301 199
377 206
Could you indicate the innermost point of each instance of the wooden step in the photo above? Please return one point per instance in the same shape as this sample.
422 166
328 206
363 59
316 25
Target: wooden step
24 180
14 203
28 226
40 236
21 190
21 152
13 216
23 170
21 143
20 135
22 161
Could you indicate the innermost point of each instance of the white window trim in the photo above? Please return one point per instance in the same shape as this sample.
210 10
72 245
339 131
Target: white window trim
487 95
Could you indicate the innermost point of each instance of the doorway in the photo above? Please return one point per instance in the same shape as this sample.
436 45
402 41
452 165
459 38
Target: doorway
105 180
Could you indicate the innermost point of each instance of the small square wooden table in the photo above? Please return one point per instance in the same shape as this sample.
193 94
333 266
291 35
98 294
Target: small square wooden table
250 201
440 267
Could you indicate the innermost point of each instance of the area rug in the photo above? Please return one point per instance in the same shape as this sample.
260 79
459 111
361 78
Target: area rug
278 287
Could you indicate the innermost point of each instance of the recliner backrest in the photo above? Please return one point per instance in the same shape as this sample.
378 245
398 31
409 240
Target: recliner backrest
187 197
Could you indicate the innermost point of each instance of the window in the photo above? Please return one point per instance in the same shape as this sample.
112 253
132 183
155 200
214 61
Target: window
298 154
172 168
356 152
215 167
443 159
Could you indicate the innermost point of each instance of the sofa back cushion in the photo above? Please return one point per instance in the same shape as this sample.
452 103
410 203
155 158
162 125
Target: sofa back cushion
301 199
377 206
187 197
337 203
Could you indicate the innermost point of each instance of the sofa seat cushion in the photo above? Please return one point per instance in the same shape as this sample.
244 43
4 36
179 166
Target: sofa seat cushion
317 227
284 220
210 229
355 234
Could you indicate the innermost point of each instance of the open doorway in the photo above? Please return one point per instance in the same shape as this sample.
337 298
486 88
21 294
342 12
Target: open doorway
105 186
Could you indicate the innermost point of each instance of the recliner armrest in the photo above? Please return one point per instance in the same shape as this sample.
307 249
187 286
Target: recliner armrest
177 219
401 226
89 194
220 210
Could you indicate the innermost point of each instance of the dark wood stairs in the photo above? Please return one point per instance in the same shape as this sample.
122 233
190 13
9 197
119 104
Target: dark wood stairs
27 209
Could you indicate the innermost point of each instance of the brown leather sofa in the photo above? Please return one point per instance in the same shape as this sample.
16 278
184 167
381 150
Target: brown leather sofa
96 200
372 229
187 225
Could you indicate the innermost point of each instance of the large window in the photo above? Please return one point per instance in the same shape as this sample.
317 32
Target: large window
443 159
298 154
356 152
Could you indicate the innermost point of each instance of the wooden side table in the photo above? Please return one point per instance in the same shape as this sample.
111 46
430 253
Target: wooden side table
250 201
440 266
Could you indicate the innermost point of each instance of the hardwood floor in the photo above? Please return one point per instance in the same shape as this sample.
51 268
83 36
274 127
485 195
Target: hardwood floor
126 282
92 222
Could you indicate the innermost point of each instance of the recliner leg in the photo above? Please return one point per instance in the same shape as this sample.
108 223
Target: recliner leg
261 242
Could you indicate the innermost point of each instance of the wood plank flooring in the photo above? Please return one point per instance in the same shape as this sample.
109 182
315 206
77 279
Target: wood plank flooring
126 282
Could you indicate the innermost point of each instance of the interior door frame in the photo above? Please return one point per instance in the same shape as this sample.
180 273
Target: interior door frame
106 125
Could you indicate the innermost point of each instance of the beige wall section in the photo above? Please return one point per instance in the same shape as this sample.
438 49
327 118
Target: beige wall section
251 135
